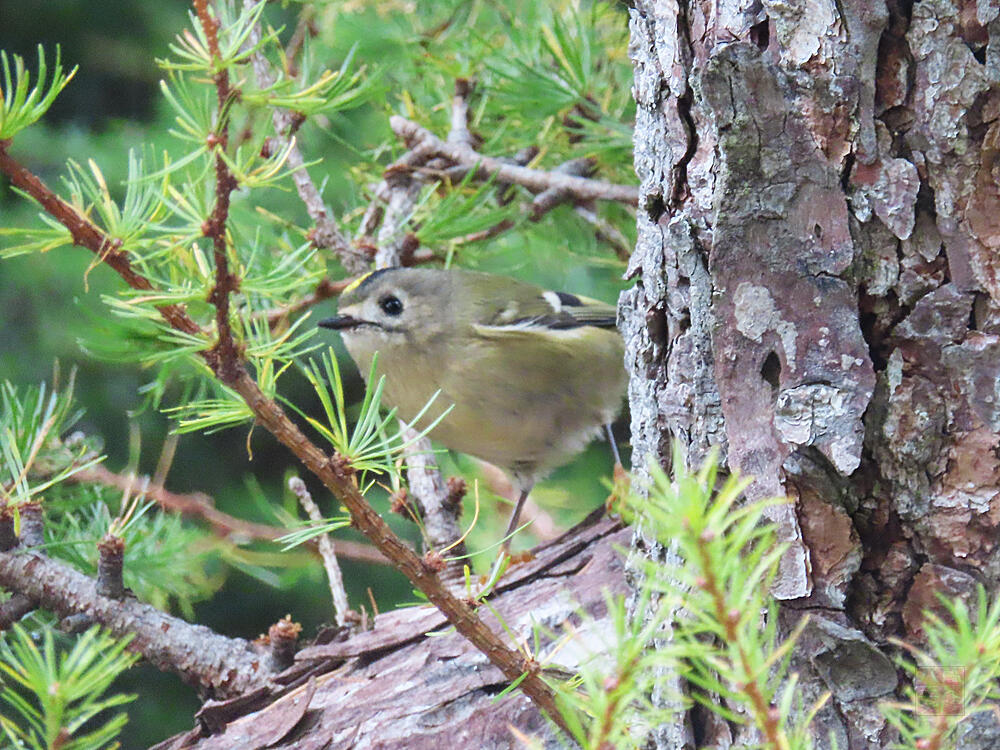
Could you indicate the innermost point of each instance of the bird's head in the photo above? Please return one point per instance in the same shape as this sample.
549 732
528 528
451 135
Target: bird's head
393 306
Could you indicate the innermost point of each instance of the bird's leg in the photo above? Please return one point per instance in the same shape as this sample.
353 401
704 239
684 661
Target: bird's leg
613 444
514 516
620 482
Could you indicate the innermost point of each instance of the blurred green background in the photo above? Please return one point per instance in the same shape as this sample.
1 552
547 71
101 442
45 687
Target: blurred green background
51 303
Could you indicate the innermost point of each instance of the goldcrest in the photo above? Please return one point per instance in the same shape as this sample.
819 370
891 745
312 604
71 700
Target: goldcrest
532 374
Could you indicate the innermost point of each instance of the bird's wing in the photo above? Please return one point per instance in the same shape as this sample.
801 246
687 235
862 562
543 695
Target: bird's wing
552 311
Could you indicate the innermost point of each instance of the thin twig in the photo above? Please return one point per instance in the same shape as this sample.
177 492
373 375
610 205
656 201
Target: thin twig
325 232
484 234
166 459
341 607
305 27
324 290
606 231
537 181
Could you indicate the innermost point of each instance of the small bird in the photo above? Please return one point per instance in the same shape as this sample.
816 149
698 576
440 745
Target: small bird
532 374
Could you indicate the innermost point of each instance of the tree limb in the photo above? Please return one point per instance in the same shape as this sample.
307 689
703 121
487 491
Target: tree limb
228 666
537 181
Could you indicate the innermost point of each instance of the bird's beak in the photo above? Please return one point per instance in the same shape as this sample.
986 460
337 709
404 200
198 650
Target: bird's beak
340 322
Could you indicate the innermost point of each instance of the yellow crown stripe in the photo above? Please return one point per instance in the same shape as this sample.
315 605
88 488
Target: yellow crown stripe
356 283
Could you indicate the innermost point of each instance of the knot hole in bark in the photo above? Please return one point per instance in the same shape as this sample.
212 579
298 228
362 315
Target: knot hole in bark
655 207
760 34
770 372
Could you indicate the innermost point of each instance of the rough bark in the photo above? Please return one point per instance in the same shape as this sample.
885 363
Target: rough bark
818 294
395 686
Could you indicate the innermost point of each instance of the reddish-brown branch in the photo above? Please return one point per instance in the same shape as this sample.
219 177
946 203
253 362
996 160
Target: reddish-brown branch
215 227
335 475
86 234
210 26
200 505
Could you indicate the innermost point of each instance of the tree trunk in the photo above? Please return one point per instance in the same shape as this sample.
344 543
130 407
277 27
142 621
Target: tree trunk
818 294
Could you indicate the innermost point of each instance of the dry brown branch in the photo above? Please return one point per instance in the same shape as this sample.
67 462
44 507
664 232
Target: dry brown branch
200 505
537 181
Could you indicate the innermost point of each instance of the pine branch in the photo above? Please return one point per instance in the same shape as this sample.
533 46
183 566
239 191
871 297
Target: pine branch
200 505
334 472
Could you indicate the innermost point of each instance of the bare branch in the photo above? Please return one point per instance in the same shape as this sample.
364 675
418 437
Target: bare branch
229 666
440 513
459 132
325 233
341 607
606 231
537 181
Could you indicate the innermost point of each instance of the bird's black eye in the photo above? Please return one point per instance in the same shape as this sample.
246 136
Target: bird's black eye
391 305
